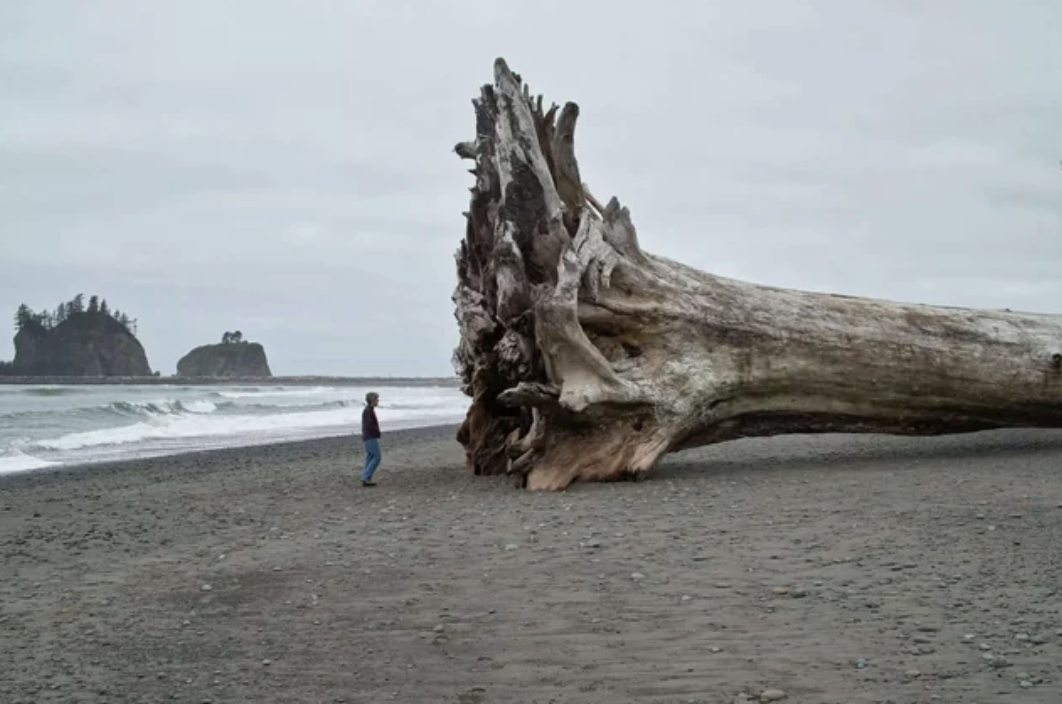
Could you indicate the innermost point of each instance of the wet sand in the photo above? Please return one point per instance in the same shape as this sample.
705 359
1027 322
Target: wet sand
831 568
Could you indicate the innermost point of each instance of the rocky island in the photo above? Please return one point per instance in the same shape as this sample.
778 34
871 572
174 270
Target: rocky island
232 357
76 340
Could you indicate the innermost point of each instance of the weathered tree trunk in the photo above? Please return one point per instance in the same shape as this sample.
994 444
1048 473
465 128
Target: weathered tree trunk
589 359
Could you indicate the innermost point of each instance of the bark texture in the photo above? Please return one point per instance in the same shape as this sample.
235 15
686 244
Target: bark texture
587 358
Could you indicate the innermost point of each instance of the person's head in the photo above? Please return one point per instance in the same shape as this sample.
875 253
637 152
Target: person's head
372 398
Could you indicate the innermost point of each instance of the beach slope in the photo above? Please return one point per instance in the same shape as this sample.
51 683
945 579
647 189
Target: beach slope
832 568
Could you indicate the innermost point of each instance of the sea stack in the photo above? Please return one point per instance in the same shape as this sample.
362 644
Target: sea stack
232 357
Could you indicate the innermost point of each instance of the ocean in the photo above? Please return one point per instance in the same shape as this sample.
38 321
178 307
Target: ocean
54 425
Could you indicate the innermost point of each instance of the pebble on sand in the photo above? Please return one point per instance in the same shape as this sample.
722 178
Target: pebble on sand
772 695
637 576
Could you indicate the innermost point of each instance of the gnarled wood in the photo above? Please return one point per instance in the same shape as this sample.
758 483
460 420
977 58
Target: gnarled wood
588 358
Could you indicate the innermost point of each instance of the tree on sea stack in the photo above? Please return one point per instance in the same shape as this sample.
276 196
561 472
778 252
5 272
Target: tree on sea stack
589 359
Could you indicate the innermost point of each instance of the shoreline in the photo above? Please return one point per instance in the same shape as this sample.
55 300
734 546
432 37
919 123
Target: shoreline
301 380
212 457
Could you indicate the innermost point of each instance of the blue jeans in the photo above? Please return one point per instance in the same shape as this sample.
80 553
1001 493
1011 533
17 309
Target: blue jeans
372 458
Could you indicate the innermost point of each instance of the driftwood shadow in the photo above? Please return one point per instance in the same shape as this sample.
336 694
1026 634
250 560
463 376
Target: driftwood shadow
857 451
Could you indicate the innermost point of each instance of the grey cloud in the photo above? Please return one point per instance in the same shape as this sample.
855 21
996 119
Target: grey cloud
285 168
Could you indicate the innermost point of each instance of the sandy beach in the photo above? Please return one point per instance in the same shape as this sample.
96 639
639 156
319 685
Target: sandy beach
829 569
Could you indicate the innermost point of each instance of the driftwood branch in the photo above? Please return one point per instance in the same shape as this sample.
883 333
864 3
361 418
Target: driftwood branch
587 358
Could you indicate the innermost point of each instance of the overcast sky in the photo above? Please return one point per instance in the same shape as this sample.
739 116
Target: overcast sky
285 168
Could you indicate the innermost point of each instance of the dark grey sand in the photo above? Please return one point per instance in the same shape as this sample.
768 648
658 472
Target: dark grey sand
833 568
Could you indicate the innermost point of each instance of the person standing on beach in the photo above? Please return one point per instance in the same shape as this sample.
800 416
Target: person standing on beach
370 435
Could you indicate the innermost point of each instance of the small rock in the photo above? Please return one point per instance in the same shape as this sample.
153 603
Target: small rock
593 544
205 588
798 593
772 695
715 649
912 673
1025 684
439 629
780 591
267 663
637 576
511 546
1023 676
687 597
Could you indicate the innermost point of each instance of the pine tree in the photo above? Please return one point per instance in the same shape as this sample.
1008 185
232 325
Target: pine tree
94 304
78 303
103 307
23 316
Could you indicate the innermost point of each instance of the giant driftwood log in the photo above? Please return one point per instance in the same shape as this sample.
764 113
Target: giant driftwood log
587 358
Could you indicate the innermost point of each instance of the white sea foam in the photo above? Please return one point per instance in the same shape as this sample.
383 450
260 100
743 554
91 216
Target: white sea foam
280 425
15 461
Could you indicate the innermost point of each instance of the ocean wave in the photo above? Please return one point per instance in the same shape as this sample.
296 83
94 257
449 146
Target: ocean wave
119 408
14 460
259 392
161 407
48 391
175 427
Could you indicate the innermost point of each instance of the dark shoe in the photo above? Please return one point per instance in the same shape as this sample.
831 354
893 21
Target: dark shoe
365 483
